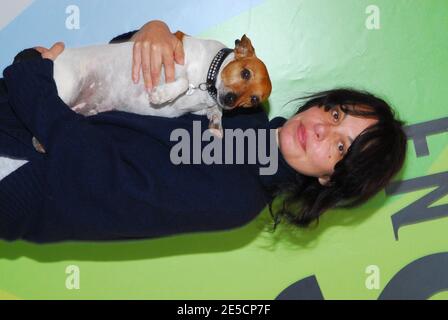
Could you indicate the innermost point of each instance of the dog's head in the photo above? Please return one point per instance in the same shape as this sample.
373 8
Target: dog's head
245 80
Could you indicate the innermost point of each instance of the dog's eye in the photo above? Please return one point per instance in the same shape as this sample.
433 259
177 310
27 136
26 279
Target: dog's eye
254 100
245 74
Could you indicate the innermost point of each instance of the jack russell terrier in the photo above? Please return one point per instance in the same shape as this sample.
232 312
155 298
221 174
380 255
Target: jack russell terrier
98 78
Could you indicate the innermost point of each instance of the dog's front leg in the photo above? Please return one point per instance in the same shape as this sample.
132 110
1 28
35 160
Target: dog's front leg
214 115
167 92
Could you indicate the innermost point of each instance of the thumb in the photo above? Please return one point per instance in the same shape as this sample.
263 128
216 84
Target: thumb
54 51
41 49
57 48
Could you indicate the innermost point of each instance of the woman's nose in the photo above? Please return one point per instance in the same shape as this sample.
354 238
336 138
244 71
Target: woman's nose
321 131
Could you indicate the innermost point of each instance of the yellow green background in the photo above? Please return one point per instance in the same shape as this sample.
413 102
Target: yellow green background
307 46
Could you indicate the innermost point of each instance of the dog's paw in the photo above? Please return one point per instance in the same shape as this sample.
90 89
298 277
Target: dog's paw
37 145
92 112
216 129
158 95
217 133
79 107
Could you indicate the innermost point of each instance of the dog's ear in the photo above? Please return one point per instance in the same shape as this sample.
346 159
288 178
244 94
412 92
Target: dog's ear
243 48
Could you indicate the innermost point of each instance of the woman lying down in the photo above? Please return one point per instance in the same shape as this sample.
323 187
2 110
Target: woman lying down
111 176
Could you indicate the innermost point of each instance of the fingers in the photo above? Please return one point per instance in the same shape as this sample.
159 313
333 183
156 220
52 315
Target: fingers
57 48
136 62
169 60
179 55
168 63
151 51
41 49
53 52
156 65
146 65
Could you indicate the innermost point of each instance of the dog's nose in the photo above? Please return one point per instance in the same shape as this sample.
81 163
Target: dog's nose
229 99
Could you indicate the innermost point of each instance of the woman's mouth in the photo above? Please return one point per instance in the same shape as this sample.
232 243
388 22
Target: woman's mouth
301 134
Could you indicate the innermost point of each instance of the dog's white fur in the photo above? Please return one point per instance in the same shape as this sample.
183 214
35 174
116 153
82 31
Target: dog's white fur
98 78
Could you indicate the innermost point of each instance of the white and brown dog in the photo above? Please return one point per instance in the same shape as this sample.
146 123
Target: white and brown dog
98 78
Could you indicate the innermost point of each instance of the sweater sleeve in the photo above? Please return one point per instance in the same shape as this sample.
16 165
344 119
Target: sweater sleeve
124 37
34 97
27 54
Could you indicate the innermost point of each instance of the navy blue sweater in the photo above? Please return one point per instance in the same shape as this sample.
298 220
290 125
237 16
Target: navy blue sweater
110 176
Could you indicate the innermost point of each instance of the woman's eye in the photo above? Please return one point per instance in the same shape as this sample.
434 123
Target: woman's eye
335 114
341 148
245 74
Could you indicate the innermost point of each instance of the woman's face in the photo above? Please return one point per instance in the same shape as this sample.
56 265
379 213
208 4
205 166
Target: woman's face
326 136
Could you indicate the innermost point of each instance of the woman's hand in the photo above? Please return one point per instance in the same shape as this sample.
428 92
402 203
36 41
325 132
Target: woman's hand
53 52
155 45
